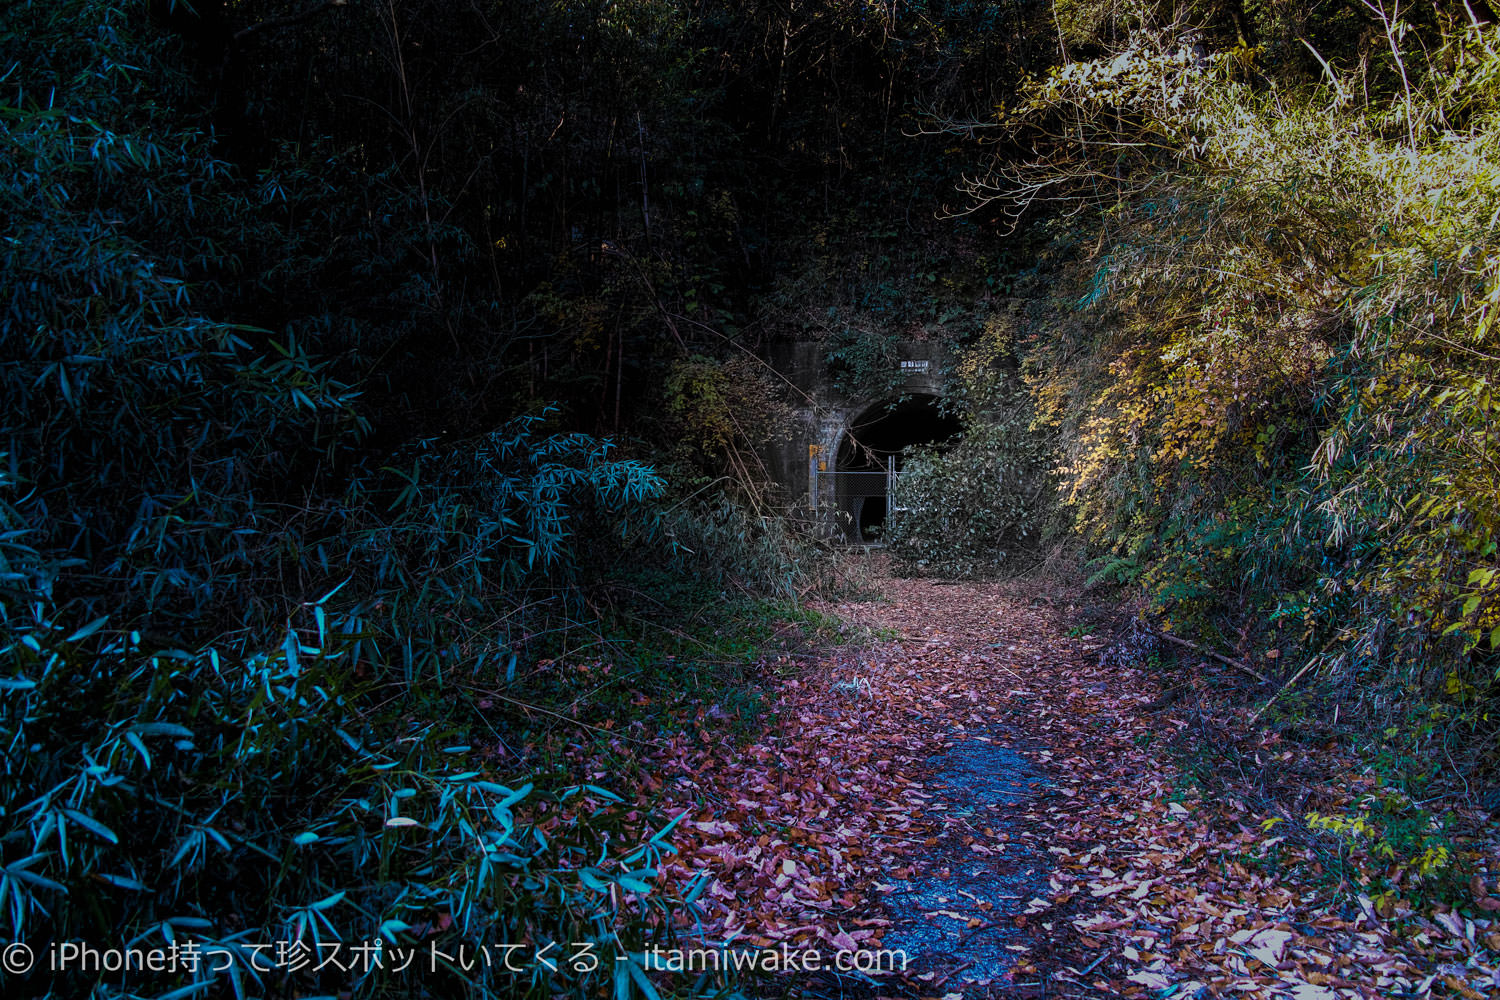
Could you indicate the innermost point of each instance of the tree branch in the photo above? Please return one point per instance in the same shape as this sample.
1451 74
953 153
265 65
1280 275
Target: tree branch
288 20
1218 656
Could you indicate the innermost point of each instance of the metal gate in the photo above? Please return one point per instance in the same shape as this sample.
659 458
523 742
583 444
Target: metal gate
849 489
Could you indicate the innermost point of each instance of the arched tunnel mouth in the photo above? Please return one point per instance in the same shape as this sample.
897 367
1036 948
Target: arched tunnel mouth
870 454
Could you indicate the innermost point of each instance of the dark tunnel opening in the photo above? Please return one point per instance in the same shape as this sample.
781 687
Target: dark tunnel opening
870 454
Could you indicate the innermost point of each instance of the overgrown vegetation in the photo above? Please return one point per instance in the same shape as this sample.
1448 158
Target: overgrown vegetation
253 637
358 357
1272 360
964 509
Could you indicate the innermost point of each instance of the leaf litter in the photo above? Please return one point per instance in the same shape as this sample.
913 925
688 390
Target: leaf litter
979 794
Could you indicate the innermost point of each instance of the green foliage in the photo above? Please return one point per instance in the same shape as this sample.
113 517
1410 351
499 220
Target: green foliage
323 784
720 412
962 510
682 650
725 542
143 430
865 364
236 651
1275 367
226 799
1406 844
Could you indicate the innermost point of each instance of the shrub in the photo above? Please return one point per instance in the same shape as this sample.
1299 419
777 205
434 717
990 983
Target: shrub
1276 360
243 663
325 787
219 802
963 510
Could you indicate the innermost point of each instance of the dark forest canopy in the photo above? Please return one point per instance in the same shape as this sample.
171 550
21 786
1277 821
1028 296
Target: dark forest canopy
553 200
349 347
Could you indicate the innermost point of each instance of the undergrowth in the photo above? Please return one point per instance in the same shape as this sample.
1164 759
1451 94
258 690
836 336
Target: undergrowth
1362 815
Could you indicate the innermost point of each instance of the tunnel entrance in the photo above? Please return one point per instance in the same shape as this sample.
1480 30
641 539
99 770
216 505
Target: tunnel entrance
869 457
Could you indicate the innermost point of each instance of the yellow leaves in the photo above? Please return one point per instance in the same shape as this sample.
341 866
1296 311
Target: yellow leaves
1434 859
995 343
1457 687
1357 825
1213 392
1242 58
1294 281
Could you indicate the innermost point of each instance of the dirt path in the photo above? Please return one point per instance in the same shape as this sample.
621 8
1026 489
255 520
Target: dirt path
977 794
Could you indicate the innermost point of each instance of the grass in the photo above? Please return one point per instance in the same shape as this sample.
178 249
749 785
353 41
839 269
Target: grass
663 653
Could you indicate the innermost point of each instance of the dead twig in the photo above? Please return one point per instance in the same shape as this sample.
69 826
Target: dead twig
1238 665
529 707
1282 690
937 983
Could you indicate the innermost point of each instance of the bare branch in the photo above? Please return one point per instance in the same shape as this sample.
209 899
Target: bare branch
289 20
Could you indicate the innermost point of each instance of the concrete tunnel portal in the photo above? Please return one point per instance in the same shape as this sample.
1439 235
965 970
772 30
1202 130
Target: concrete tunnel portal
870 452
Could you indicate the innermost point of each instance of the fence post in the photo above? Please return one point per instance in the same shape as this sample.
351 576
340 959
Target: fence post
814 461
890 489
